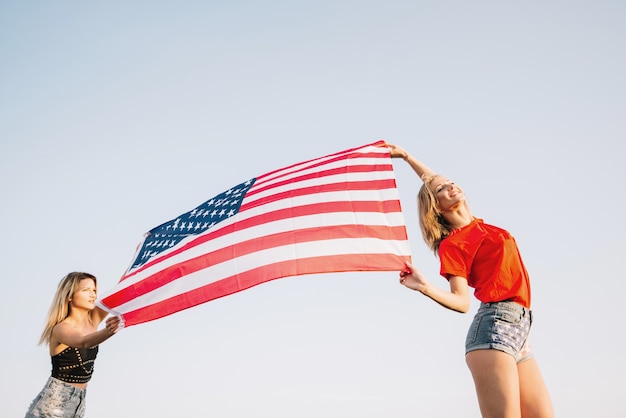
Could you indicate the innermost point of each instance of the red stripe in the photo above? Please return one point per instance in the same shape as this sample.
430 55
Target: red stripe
323 188
318 174
233 284
176 271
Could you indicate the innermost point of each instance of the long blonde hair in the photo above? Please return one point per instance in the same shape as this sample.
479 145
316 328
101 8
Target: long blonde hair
60 308
432 223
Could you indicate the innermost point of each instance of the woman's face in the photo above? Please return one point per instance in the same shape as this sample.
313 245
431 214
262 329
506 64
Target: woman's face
448 194
85 295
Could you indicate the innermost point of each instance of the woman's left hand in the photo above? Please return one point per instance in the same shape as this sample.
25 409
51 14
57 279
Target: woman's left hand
113 324
397 151
412 278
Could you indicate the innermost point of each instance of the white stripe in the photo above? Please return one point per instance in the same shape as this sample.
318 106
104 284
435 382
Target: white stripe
293 173
383 195
242 264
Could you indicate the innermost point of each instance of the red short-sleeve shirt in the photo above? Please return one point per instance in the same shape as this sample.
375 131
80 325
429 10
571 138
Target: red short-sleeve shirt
488 257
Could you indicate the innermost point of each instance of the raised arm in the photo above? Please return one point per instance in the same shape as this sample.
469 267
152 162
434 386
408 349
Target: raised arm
422 170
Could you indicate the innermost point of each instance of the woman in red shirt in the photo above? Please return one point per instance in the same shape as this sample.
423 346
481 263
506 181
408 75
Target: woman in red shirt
474 254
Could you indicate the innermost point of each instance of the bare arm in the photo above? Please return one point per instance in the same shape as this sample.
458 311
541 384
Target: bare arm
68 334
457 299
419 167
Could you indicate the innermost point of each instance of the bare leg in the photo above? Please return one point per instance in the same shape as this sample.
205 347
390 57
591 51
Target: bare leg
497 383
535 399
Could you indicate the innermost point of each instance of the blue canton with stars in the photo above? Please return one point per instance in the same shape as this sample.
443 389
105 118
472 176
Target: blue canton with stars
191 223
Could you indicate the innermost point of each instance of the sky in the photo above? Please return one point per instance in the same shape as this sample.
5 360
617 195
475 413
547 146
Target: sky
118 116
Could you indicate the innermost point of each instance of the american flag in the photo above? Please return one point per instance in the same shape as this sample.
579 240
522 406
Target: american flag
335 213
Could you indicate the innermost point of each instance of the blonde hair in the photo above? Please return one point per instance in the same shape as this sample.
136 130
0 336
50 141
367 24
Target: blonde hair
432 223
60 308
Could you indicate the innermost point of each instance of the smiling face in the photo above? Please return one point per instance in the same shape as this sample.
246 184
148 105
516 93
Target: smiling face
448 194
85 295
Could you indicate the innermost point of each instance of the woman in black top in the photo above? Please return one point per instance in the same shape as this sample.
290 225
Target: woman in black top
72 334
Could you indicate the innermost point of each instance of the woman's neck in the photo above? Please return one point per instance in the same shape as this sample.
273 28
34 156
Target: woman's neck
80 316
458 217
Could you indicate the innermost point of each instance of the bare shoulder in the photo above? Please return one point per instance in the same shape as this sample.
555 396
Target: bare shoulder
65 327
60 333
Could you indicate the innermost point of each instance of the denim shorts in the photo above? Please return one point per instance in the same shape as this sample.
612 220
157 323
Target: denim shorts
58 399
503 326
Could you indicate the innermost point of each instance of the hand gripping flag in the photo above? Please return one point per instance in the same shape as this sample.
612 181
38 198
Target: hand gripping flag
336 213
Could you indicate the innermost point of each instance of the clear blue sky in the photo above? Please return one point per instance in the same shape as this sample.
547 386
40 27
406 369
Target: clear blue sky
117 116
